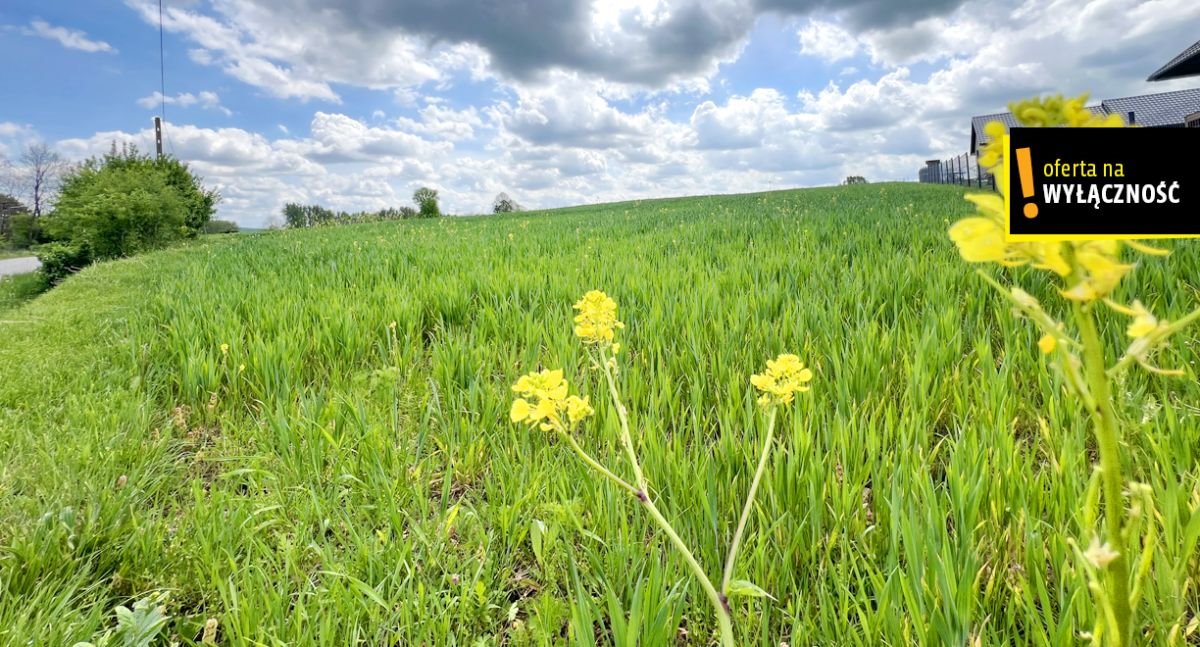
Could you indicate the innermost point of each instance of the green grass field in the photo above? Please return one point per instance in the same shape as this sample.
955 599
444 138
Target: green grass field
334 481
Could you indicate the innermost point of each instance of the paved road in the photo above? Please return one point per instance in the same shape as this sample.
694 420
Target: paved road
18 265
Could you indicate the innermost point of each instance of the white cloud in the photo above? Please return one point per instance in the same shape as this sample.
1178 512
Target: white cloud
13 139
570 135
827 41
207 100
69 38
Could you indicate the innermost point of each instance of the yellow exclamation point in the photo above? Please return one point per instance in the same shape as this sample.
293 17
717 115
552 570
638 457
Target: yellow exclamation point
1025 171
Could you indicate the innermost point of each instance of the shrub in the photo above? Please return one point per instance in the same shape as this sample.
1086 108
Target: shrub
118 209
220 227
9 207
60 260
199 203
24 231
427 202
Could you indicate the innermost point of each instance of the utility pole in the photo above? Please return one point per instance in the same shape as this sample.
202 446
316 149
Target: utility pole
158 136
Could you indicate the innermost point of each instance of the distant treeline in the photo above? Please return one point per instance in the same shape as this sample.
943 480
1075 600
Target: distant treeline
311 215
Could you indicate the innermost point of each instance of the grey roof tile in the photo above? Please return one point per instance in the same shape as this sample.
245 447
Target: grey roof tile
1162 109
1186 64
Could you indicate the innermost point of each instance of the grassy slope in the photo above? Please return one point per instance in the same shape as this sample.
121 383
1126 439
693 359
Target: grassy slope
353 484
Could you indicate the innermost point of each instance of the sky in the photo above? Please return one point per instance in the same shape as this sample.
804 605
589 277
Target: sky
354 104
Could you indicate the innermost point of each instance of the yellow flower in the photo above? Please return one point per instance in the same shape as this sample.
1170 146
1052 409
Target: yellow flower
1099 262
979 240
1144 322
224 349
577 409
520 410
784 378
993 151
544 402
1142 325
1047 343
1049 256
597 318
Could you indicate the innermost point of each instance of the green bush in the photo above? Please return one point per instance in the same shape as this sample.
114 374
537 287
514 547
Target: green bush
199 203
126 202
60 260
118 210
220 227
24 231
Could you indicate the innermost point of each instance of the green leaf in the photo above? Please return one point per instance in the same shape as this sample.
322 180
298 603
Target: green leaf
745 588
536 531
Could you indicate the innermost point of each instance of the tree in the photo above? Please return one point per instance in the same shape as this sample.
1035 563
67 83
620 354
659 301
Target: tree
41 170
9 207
200 204
504 204
427 202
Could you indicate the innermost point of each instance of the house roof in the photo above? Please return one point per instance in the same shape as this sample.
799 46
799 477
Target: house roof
1163 109
979 138
1186 64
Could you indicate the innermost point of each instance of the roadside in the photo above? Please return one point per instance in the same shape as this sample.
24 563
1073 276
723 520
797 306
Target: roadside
22 265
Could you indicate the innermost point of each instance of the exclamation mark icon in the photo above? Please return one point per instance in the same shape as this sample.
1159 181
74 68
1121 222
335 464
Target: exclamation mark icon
1025 171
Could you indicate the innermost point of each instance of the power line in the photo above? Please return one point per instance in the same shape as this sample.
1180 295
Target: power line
162 67
162 84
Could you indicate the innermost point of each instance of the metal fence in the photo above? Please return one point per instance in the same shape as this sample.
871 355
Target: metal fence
961 169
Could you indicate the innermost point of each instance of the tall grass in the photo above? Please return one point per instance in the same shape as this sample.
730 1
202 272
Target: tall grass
333 479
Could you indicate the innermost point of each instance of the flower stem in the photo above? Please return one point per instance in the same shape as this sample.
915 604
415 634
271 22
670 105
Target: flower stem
1108 439
594 464
737 535
724 620
623 416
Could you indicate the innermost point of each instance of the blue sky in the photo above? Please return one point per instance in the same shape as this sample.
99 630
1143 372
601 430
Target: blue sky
355 104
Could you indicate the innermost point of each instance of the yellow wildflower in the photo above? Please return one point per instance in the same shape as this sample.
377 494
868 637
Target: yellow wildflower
577 409
224 349
784 378
544 402
979 240
597 318
1047 343
992 152
1144 322
1099 262
520 410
